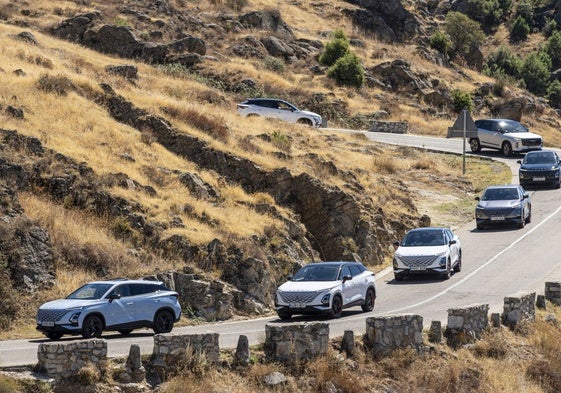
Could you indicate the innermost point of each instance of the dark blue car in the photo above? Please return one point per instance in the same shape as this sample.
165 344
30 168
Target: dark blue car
540 168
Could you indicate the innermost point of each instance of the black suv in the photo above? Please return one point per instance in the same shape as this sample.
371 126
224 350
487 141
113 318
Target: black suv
540 168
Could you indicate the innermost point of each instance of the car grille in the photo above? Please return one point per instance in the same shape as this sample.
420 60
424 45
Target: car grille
50 315
541 172
417 260
498 212
298 297
532 142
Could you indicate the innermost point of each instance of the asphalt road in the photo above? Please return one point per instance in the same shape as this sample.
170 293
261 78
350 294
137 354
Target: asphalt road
496 263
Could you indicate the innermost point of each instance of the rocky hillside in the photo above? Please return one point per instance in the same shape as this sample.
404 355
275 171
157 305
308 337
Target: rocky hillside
122 153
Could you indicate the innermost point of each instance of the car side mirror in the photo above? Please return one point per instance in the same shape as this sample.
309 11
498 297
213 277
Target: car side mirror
396 243
113 296
347 278
452 242
477 198
526 195
519 161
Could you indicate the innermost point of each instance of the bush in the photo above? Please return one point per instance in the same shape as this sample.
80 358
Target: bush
503 62
550 27
335 49
274 64
525 10
348 71
440 42
554 94
488 12
464 33
519 30
553 49
535 73
59 85
462 100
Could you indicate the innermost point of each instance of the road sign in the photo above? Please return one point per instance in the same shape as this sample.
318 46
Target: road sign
463 127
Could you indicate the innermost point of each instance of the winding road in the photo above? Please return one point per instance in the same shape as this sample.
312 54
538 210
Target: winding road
496 263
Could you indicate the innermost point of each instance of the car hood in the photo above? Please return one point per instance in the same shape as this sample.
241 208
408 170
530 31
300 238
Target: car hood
310 113
415 251
539 167
307 286
499 204
62 304
524 135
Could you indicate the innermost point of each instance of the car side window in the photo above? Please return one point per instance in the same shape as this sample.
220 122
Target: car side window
345 272
122 290
355 270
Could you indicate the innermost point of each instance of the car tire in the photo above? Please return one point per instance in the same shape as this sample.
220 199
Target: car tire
506 148
54 336
479 226
336 307
125 332
305 121
163 322
458 267
474 145
529 217
92 327
284 315
369 300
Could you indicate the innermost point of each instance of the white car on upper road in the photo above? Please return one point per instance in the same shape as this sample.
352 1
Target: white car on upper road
326 288
508 136
278 109
432 250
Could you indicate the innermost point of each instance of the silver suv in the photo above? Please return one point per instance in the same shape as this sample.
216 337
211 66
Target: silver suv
508 136
122 305
278 109
326 288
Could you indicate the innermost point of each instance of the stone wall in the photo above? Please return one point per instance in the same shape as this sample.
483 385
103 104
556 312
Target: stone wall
62 360
169 347
385 334
518 308
553 292
395 127
296 341
466 324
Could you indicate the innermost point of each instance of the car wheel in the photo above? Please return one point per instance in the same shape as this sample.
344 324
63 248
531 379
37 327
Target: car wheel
305 121
163 322
125 332
336 307
529 217
93 327
475 145
54 336
506 149
479 226
369 300
522 222
458 267
284 315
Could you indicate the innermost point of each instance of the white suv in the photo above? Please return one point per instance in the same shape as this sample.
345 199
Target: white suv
122 305
508 136
278 109
328 288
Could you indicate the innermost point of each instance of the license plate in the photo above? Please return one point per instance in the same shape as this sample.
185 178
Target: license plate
539 179
47 323
418 268
497 218
297 305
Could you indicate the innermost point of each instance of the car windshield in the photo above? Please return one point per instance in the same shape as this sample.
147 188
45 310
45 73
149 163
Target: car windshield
90 291
540 158
500 194
423 239
511 126
317 273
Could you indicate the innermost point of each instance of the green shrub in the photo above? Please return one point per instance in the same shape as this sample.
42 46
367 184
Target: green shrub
462 100
463 32
554 94
550 27
488 12
274 64
525 10
553 49
535 72
440 41
348 71
335 49
281 141
519 30
503 61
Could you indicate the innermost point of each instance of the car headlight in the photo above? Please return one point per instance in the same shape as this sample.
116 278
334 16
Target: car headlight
325 299
442 261
74 318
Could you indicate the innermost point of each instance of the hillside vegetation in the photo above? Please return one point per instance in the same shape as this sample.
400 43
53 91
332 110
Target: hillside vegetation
139 174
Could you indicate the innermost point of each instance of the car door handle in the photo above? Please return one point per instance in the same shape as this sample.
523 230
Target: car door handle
130 303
